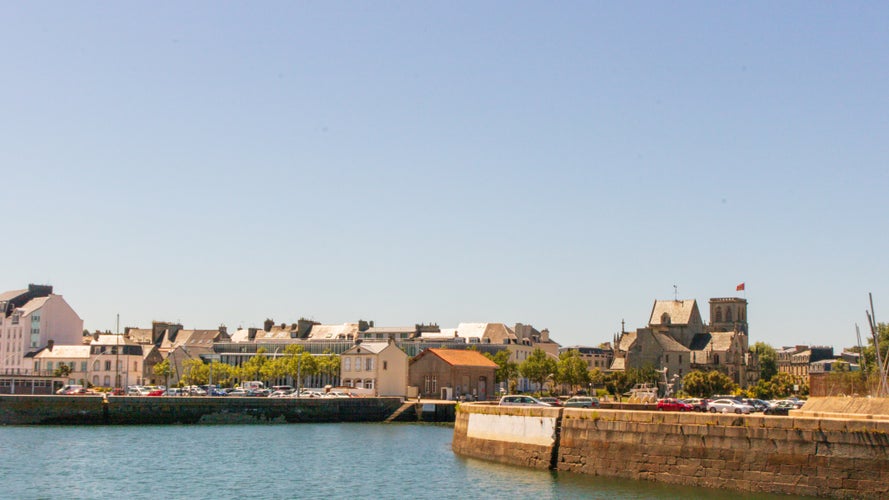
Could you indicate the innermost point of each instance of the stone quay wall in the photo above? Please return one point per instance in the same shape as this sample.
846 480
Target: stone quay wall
517 435
830 457
128 410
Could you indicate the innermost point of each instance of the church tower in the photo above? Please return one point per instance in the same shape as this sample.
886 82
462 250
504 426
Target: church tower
728 315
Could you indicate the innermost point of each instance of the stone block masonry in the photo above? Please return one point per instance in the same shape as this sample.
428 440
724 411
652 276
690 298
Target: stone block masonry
94 410
839 458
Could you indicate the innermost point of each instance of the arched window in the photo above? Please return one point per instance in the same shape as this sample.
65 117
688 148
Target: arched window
95 380
665 319
96 367
718 315
728 314
107 381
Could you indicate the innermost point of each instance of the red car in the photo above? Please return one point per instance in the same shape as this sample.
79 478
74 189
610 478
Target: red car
156 392
671 404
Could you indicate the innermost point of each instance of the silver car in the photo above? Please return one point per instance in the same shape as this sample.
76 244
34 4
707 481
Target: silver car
728 406
519 400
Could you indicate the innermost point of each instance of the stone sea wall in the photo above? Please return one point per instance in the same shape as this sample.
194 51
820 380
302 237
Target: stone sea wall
94 410
840 458
514 435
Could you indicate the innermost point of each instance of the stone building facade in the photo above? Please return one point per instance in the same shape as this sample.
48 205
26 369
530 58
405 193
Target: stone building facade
678 340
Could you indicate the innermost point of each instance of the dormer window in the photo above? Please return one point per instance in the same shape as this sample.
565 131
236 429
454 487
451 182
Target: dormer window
665 319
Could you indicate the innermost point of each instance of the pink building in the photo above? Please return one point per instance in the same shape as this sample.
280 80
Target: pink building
29 320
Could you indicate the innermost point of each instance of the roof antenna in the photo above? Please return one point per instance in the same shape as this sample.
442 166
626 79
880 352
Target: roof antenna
675 293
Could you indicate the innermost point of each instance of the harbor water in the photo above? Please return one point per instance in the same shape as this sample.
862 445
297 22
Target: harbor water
354 461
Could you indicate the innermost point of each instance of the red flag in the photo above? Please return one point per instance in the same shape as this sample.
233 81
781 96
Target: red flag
739 287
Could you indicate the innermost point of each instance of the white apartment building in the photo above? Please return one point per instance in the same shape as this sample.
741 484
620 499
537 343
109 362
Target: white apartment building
116 361
29 320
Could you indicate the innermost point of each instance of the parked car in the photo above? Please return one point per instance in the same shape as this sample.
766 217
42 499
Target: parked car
137 390
670 404
551 401
698 404
69 389
779 408
156 392
237 392
757 404
582 402
729 406
520 400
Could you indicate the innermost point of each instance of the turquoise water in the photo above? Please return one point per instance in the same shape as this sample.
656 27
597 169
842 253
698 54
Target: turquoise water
354 461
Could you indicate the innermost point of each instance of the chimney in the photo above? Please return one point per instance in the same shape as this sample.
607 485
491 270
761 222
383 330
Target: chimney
267 326
49 344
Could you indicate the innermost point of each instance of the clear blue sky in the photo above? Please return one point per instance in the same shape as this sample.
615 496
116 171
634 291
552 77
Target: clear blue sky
562 165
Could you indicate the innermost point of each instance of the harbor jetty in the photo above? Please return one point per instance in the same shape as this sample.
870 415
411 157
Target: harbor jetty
832 447
134 410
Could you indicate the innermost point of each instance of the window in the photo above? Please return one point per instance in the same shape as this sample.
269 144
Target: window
718 315
107 381
680 362
95 368
434 384
385 365
95 380
369 365
347 364
83 366
49 366
427 384
135 366
358 364
369 384
107 366
665 319
666 358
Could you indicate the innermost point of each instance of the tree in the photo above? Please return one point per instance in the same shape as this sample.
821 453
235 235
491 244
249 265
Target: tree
571 369
617 383
701 385
768 360
782 384
163 369
538 367
222 374
301 363
328 364
597 378
252 368
506 370
195 372
62 371
869 354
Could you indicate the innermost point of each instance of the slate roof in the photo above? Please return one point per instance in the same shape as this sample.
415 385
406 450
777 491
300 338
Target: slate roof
33 304
619 364
368 347
346 331
495 332
626 340
721 341
668 343
12 294
391 329
680 311
64 352
699 341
